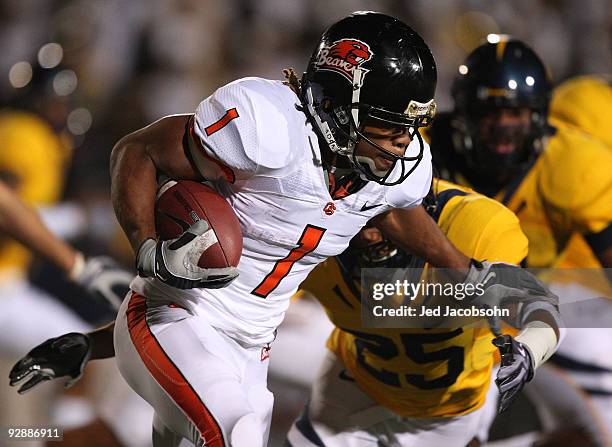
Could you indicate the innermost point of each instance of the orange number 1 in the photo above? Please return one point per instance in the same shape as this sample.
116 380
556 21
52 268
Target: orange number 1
308 242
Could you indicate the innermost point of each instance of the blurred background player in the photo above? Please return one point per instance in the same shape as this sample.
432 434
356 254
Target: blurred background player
405 387
499 141
582 104
557 180
98 275
32 163
36 149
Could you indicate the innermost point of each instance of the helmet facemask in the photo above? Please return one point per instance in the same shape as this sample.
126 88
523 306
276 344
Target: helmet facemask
498 151
382 253
341 127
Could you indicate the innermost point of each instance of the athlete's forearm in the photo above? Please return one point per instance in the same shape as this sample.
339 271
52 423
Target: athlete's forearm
23 223
415 232
101 341
135 162
133 189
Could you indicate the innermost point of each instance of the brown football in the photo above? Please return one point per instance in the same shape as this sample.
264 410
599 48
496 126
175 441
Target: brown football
182 203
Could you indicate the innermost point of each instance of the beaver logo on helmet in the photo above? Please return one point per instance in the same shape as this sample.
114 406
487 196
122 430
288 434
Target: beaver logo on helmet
343 56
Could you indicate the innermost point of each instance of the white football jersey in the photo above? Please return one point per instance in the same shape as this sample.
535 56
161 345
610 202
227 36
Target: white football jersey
270 162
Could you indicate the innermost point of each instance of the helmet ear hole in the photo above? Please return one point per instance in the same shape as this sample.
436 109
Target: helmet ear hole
343 117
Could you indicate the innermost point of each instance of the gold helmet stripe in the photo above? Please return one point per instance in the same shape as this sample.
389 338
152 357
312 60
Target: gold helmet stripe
500 48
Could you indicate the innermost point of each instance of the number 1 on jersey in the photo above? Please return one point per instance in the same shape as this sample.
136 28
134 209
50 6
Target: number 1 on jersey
308 242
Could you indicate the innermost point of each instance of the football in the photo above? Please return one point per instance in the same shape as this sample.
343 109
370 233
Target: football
181 203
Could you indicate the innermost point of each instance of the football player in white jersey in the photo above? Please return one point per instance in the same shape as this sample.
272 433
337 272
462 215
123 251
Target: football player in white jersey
304 165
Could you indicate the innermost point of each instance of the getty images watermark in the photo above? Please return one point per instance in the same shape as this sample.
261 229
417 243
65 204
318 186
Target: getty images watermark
407 290
428 298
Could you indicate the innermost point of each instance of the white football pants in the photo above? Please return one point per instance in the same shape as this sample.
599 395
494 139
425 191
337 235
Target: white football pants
202 384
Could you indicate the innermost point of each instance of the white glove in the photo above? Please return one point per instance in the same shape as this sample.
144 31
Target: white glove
175 262
103 277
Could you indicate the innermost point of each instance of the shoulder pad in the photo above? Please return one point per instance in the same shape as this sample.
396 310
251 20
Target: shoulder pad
574 169
250 125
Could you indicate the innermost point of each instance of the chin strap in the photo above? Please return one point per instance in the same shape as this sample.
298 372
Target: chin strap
77 267
371 165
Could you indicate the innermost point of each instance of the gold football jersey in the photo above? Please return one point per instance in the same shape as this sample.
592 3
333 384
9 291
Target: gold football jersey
568 190
585 103
420 372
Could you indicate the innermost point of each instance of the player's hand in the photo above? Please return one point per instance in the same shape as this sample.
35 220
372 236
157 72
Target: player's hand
103 277
505 285
512 276
175 262
515 371
57 357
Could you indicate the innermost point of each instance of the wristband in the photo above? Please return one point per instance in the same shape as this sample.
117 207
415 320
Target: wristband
77 266
145 258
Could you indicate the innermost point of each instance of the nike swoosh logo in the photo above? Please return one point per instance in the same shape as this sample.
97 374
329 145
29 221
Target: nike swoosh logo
365 206
489 277
182 224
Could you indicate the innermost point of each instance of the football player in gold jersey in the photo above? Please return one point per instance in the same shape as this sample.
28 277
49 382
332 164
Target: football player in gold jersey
498 141
583 104
553 168
408 387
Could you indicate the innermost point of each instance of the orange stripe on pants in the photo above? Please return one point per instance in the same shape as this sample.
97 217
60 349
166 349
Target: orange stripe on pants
169 377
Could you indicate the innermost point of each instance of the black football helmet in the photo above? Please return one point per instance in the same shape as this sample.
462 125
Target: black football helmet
503 73
384 253
373 69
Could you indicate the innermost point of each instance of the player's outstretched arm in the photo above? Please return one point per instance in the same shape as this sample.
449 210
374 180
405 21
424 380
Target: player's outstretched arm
522 355
63 356
20 222
100 276
531 307
101 341
416 232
